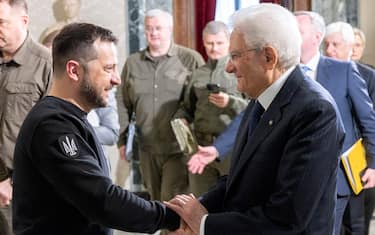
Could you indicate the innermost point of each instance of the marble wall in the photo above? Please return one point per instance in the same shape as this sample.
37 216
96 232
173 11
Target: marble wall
358 13
337 10
110 14
366 19
137 9
125 18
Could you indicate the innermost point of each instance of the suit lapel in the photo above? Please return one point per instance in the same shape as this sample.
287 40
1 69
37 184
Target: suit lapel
322 72
241 137
245 150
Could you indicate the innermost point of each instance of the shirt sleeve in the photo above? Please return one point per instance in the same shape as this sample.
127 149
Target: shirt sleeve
201 227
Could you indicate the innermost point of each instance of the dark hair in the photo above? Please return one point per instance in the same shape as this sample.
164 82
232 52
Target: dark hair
17 3
75 42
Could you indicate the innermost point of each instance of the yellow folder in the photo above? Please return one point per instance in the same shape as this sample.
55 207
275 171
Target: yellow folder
354 162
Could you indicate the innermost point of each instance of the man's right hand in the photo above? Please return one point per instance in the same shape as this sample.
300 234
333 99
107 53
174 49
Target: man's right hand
190 210
202 158
122 153
5 192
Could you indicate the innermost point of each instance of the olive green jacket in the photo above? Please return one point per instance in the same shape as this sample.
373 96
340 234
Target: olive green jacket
206 117
23 81
153 88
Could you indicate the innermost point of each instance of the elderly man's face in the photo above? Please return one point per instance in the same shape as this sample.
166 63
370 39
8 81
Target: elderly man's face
336 47
158 32
247 65
310 38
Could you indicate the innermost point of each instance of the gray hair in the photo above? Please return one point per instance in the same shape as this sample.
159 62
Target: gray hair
270 25
360 34
160 13
317 21
215 27
343 28
21 4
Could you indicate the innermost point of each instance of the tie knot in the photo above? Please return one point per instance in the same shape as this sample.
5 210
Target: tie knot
305 68
307 71
257 109
255 115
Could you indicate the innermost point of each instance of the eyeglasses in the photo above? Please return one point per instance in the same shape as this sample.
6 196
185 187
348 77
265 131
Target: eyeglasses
234 55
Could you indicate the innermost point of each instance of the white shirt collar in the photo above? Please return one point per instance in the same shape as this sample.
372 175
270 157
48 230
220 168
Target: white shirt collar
313 63
267 96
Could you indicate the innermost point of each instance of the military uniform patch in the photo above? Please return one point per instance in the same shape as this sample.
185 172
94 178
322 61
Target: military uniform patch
68 145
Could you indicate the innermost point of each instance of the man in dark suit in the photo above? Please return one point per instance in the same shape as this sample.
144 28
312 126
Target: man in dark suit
343 81
283 171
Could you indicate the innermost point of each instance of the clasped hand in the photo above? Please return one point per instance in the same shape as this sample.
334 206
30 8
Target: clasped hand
191 212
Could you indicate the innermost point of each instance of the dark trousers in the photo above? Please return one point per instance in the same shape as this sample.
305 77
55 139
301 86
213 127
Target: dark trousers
353 222
369 207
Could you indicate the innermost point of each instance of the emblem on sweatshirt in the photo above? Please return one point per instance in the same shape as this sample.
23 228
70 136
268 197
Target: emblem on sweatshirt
68 145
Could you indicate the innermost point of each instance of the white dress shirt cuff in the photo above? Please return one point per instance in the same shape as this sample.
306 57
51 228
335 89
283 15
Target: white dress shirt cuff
203 222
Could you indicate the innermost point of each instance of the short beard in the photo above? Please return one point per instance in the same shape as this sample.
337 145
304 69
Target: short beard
91 95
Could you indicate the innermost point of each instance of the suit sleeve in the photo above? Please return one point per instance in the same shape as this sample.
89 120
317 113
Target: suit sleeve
368 74
108 129
225 141
363 110
313 142
81 182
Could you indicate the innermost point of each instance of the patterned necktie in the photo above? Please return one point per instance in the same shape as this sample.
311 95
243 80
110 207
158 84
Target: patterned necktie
306 70
255 115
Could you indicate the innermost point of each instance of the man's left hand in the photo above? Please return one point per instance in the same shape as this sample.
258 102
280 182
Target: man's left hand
369 178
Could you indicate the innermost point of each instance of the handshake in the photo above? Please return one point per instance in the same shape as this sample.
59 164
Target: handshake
188 207
191 212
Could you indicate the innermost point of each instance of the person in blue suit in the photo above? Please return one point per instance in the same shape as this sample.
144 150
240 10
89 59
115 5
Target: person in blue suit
339 43
343 81
283 173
